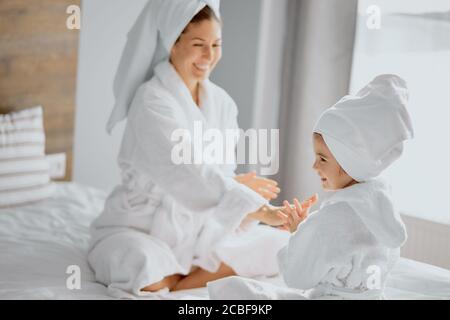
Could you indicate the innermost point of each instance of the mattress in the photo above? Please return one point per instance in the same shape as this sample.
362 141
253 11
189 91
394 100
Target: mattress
42 243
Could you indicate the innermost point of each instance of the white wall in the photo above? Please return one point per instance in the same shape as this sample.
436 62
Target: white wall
418 50
236 72
103 31
102 37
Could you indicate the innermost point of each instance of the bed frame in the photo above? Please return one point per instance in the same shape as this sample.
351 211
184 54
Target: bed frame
428 242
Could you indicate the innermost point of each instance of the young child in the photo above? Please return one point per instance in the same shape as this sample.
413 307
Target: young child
347 248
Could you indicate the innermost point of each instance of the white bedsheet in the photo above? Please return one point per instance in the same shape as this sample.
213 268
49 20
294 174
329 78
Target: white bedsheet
38 242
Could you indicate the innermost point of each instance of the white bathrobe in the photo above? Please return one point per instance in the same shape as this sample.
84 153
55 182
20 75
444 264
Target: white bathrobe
166 218
344 250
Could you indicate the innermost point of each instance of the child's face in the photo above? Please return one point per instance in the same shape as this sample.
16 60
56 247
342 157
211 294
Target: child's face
332 175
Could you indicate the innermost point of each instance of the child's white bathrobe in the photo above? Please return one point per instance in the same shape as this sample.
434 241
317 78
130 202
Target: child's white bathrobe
344 250
165 218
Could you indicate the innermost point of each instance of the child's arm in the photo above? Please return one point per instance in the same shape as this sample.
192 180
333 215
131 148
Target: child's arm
324 242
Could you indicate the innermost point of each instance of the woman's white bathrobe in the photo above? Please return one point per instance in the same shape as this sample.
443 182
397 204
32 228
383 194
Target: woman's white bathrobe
346 249
166 218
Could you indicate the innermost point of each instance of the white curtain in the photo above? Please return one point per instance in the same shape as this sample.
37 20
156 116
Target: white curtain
304 68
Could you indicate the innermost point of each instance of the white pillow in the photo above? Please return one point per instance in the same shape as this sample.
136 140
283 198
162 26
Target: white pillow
24 170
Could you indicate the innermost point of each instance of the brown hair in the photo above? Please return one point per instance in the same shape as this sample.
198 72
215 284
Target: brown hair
205 14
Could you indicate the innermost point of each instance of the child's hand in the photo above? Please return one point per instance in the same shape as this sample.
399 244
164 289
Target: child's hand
297 213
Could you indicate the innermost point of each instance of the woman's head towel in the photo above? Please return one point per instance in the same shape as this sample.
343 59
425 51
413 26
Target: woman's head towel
149 42
365 132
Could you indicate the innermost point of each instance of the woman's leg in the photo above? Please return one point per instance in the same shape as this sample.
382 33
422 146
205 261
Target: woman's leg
199 277
134 262
168 282
259 245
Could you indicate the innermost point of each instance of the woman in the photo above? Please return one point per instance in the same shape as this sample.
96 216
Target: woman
171 226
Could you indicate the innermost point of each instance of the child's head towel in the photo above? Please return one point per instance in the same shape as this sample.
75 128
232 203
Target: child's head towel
365 132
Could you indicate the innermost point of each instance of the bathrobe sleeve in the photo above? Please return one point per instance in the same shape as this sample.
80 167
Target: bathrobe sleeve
231 114
198 188
319 246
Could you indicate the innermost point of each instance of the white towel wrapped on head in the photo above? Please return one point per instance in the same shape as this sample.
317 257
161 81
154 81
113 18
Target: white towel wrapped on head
365 132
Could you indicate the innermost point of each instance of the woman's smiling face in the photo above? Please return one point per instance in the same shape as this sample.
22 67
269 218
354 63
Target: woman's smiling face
333 177
197 51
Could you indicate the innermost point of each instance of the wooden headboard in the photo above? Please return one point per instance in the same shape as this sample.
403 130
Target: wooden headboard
38 65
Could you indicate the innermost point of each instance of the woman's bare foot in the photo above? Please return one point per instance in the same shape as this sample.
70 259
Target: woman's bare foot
168 282
199 277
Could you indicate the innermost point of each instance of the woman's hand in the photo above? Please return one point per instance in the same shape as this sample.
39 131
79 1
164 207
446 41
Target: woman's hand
270 215
297 213
267 188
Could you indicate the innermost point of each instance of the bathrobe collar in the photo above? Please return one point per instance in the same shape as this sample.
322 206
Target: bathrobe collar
371 202
171 80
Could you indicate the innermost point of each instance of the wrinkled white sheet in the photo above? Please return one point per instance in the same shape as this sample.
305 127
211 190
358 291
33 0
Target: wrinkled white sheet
409 280
38 242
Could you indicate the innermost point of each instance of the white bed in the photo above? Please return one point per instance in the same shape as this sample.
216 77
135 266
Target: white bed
39 242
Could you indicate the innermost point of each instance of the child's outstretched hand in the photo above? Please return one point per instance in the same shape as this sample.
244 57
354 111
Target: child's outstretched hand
297 213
